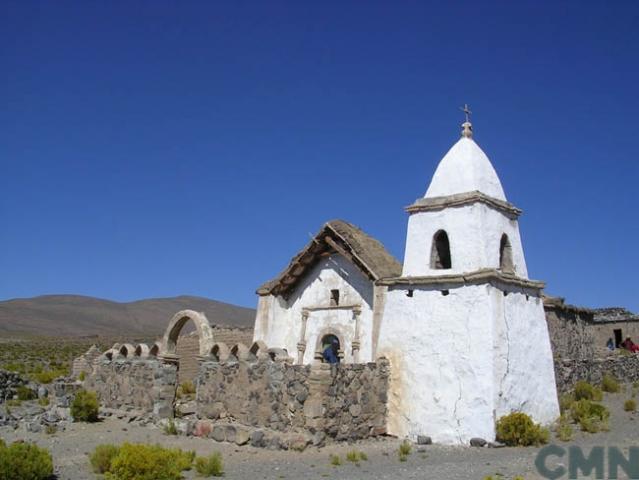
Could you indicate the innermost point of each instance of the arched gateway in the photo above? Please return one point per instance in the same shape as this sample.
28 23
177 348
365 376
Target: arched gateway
202 327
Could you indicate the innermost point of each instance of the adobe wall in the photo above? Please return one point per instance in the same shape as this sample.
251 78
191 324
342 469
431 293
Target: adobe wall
601 332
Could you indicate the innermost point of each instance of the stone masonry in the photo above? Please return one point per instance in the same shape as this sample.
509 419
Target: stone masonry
343 402
624 368
140 386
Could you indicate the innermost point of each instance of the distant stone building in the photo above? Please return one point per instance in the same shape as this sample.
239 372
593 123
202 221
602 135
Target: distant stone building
582 333
461 323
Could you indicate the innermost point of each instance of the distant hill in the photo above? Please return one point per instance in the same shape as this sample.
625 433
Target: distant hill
74 315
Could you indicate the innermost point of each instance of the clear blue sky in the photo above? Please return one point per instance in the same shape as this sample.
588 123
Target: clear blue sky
161 148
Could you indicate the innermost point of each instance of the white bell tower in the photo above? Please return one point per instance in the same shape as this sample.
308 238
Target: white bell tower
464 327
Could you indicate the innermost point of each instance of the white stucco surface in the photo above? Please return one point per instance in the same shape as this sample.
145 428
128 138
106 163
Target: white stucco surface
523 362
474 232
458 366
465 168
279 321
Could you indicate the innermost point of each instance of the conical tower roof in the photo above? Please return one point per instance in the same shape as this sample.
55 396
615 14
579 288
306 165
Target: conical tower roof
465 168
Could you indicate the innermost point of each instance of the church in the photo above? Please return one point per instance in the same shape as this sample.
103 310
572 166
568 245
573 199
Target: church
460 322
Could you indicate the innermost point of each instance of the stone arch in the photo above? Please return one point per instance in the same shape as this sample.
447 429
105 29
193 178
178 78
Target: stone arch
279 354
506 263
319 353
440 258
202 326
241 352
155 349
127 350
142 350
108 354
259 350
220 352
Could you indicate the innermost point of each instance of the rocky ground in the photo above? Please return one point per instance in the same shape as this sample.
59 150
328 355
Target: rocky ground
70 448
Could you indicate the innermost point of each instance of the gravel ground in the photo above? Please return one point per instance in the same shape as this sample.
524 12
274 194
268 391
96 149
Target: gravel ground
70 453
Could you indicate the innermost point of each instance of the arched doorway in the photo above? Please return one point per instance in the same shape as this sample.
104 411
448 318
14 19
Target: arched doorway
331 347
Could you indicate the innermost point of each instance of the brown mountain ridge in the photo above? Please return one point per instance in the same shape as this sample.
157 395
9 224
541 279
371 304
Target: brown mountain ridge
76 315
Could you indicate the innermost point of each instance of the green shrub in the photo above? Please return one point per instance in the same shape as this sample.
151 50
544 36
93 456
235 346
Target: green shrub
610 384
518 429
14 402
183 459
82 376
25 393
25 461
148 462
355 456
170 428
43 402
405 448
48 376
564 429
565 401
336 460
102 457
85 407
592 417
211 466
585 391
187 388
630 405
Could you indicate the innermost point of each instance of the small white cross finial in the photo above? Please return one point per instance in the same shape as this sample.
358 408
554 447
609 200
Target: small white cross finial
467 127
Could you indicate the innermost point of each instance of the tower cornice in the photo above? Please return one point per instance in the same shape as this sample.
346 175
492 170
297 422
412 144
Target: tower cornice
430 204
492 276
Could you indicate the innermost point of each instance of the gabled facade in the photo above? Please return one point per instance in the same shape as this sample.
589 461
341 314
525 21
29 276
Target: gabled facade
327 289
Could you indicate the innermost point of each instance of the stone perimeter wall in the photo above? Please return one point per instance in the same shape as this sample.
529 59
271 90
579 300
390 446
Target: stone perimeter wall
141 385
624 368
344 402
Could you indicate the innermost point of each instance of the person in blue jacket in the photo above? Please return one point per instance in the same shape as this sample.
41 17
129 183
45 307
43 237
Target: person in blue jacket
331 352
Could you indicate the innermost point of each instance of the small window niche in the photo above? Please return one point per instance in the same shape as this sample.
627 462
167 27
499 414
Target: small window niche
334 298
409 293
506 264
440 252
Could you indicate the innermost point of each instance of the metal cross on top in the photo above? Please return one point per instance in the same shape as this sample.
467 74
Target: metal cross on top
466 111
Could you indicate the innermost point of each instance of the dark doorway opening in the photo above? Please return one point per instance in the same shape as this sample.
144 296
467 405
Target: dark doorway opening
618 337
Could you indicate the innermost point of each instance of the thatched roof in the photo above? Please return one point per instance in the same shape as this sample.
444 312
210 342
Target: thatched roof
336 236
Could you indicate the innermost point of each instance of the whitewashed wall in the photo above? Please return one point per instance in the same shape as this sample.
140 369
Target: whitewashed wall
278 321
452 356
474 232
524 369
